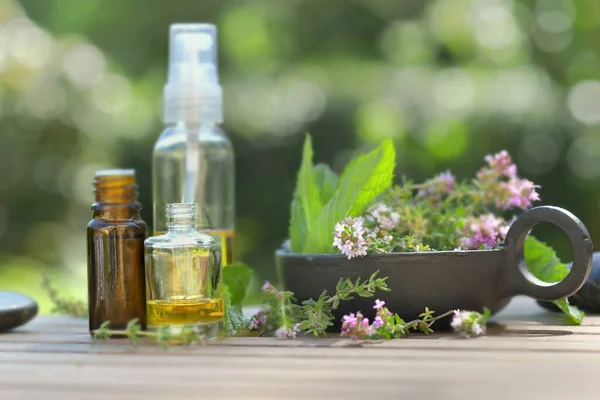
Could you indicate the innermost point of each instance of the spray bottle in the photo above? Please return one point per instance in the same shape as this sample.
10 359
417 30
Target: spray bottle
193 160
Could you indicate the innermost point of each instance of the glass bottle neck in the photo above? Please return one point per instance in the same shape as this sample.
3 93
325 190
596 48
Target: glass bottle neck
116 195
182 218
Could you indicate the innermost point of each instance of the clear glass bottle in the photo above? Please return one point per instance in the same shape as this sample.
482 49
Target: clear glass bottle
183 275
115 247
193 160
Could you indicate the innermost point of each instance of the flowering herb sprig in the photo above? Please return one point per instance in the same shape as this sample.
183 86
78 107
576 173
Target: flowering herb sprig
387 325
286 318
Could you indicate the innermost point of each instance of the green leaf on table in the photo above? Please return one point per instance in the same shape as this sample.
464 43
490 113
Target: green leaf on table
546 266
234 318
326 181
364 179
236 278
306 203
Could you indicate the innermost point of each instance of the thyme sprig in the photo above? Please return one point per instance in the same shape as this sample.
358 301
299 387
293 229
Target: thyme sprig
70 307
187 335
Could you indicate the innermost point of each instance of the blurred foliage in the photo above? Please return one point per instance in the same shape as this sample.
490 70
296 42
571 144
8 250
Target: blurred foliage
448 80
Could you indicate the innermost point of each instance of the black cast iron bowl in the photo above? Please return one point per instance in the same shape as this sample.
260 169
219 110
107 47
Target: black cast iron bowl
444 280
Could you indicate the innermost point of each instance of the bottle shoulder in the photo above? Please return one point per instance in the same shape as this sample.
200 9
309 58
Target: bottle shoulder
119 226
191 239
176 136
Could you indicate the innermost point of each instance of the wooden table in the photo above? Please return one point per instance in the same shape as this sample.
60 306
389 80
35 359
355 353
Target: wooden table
535 356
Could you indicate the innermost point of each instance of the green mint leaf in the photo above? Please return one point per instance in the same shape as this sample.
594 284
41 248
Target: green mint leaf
574 315
546 266
364 179
306 204
234 318
236 278
543 262
326 181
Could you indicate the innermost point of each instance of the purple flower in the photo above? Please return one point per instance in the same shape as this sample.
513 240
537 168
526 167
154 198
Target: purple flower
258 321
378 304
442 183
378 322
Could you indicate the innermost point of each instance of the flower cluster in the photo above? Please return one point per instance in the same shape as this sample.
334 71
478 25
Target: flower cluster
469 323
258 321
356 326
440 184
353 239
386 218
349 237
484 232
503 187
286 332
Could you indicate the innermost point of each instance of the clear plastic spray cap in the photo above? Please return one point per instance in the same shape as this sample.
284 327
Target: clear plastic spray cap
192 92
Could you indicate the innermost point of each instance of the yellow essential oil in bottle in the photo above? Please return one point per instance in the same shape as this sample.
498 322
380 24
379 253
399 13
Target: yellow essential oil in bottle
183 275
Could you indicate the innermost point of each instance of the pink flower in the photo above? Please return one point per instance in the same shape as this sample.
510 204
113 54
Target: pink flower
378 304
266 286
486 232
501 185
365 322
378 322
349 320
386 218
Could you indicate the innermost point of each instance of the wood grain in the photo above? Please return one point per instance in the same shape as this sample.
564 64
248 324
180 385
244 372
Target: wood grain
529 353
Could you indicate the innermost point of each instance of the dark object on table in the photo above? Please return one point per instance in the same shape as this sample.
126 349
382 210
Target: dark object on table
443 280
588 297
15 310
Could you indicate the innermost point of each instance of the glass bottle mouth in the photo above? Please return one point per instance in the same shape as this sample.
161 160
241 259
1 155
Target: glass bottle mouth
182 216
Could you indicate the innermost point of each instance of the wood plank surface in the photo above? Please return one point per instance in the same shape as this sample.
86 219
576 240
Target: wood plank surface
529 353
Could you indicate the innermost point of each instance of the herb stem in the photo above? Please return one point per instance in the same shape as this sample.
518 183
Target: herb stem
430 321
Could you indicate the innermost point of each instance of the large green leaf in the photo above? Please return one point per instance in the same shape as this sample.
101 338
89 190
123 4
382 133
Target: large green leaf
365 178
236 278
326 181
546 266
306 203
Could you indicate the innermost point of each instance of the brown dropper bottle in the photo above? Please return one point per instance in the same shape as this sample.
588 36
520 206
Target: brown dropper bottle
116 234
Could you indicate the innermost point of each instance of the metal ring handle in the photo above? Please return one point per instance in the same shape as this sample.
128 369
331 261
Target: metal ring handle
521 280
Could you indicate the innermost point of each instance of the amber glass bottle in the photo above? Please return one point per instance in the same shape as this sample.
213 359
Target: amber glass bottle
116 234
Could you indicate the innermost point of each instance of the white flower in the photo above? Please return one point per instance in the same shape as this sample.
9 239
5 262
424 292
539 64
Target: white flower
477 330
287 333
349 237
468 323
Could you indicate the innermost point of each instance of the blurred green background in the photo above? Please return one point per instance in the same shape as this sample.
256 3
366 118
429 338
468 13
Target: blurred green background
449 80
